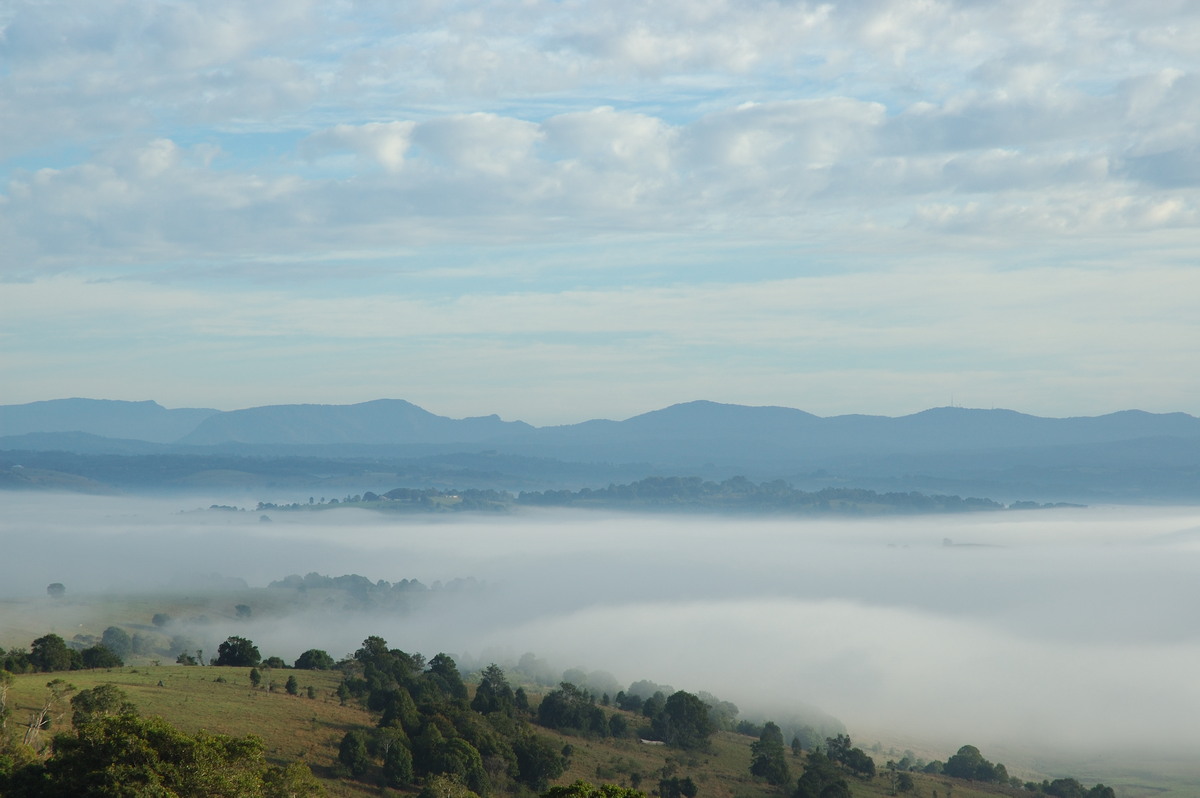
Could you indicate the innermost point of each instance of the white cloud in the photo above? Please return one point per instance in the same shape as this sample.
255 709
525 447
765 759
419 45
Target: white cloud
385 143
546 147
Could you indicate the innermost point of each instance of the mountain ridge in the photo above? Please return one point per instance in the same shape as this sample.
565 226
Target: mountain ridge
1127 455
398 421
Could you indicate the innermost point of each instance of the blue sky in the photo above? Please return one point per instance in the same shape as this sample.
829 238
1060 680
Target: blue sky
564 210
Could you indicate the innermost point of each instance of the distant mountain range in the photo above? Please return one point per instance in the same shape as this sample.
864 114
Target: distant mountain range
1125 456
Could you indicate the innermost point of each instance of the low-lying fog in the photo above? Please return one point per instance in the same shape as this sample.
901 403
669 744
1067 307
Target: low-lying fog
1074 629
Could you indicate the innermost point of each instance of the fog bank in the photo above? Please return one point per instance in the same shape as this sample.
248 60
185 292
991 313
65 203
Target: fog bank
1073 629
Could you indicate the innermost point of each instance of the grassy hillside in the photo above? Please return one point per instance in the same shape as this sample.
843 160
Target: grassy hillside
310 729
294 728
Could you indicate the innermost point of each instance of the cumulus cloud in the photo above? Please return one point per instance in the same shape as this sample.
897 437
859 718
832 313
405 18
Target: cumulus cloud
510 154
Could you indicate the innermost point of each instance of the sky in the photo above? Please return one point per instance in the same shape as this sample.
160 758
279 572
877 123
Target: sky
558 211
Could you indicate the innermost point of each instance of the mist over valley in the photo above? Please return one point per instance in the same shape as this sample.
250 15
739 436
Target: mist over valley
1053 636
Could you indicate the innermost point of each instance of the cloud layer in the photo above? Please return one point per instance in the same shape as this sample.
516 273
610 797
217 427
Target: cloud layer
559 155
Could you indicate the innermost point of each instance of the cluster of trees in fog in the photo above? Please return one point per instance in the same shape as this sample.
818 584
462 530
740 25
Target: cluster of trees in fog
51 653
739 493
736 494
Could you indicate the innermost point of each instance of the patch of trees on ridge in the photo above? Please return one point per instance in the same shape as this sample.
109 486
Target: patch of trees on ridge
51 653
736 494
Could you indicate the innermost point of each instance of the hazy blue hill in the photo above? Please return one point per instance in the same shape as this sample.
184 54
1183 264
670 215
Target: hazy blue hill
708 432
145 421
383 421
1130 455
79 442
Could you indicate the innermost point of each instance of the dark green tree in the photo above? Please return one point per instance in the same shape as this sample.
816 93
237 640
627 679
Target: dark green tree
444 676
821 779
99 657
841 750
768 756
238 652
398 765
494 693
676 787
255 677
618 726
50 653
292 686
539 761
684 722
570 708
969 764
353 753
314 660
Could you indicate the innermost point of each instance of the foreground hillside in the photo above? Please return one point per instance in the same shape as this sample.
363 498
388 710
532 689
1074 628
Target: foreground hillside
311 724
222 700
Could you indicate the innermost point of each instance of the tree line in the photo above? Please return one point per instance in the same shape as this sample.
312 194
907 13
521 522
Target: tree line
681 493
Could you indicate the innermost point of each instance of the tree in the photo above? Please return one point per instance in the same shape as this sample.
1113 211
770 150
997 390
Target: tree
314 660
440 786
56 589
292 686
904 782
494 693
353 754
538 761
821 779
255 677
102 701
684 722
676 787
583 789
117 640
443 674
840 749
99 657
397 765
768 756
50 653
160 619
116 752
969 764
238 652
